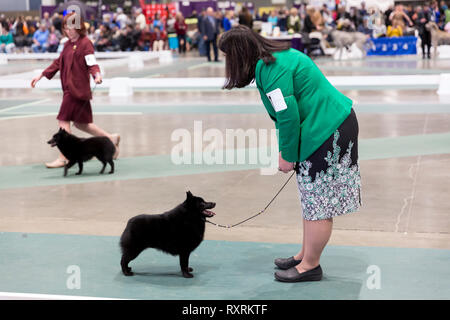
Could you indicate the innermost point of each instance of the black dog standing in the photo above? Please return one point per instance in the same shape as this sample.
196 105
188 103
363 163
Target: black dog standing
177 232
79 150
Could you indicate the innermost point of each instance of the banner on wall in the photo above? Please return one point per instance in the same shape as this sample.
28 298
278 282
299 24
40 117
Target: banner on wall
149 10
382 5
393 46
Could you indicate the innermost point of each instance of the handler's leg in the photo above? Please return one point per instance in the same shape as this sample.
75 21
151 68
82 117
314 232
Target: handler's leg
317 234
61 160
299 256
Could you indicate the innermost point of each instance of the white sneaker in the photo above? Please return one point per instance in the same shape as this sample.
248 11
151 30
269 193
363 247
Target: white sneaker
58 163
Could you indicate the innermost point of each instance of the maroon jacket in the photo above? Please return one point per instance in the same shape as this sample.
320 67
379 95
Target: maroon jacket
74 69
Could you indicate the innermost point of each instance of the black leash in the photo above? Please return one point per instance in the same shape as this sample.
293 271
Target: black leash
296 170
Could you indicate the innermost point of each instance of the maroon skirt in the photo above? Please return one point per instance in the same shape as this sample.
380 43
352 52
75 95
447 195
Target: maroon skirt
76 110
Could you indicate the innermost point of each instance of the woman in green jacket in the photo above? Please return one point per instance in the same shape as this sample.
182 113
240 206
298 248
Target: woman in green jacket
317 129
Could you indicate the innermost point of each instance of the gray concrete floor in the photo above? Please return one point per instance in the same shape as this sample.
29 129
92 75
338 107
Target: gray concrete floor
405 199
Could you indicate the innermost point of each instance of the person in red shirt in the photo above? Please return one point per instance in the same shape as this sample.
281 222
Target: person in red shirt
181 28
75 64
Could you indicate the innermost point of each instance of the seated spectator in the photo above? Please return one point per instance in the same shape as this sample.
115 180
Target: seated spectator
121 19
135 35
115 38
378 27
159 39
40 39
126 39
273 18
104 38
282 20
53 39
264 17
93 34
57 22
6 40
92 21
145 39
394 31
327 16
157 22
20 32
46 20
293 21
364 27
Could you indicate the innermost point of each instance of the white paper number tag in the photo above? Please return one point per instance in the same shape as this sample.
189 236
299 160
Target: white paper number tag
277 100
90 60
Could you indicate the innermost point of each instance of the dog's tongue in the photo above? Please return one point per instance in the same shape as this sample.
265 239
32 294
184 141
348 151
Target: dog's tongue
209 213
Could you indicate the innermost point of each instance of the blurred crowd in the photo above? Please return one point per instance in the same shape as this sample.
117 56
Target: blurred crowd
129 32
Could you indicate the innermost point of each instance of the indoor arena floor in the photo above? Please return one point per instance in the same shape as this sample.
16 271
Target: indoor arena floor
49 223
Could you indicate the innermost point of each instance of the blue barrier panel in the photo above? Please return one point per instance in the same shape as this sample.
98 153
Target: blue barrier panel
392 46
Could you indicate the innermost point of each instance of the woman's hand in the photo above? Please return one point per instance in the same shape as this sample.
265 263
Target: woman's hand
284 165
98 78
35 80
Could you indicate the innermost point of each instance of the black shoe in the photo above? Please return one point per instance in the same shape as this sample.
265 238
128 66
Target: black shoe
292 275
286 263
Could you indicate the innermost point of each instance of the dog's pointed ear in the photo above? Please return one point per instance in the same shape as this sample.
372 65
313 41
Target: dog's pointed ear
189 195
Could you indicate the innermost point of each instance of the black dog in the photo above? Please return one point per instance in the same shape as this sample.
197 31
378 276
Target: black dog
177 232
78 150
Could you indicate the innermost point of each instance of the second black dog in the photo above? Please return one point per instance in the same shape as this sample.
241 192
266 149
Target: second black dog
79 150
177 232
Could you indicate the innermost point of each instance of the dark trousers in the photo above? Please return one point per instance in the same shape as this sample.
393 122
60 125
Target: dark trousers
181 43
425 36
208 48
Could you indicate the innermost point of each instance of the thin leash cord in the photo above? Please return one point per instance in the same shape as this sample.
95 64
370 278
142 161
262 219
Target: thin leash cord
262 211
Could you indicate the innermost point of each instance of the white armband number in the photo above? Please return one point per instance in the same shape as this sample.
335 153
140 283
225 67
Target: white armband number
277 100
90 60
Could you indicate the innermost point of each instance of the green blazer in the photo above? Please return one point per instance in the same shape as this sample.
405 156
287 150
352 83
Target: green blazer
306 108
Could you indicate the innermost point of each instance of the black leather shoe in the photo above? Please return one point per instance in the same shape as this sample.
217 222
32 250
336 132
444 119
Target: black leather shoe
286 263
292 275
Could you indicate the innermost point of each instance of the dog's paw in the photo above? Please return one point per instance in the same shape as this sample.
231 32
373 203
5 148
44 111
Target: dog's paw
127 271
190 269
78 173
187 274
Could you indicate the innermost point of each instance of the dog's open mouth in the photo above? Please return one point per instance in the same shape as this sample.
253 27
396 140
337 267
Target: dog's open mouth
208 213
51 143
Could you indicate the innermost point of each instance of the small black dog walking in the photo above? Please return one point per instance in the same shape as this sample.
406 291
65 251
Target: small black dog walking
79 150
177 232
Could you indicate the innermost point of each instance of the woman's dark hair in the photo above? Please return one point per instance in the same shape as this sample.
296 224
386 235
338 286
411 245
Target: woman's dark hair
243 48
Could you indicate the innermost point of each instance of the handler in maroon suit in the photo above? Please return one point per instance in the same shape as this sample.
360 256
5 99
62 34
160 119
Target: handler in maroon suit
75 63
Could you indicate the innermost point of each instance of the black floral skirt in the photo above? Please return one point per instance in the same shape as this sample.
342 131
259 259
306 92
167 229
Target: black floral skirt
329 181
